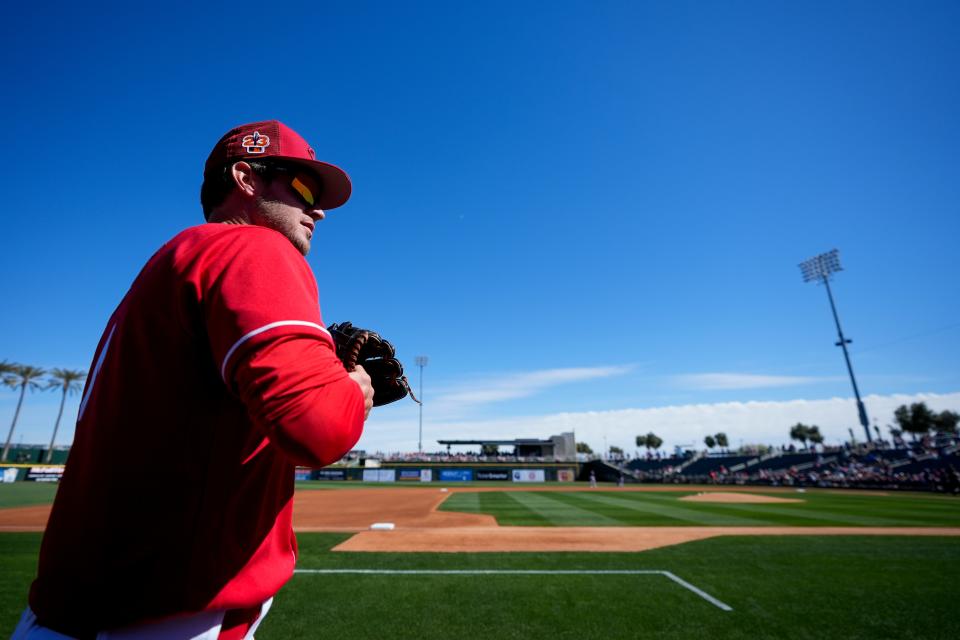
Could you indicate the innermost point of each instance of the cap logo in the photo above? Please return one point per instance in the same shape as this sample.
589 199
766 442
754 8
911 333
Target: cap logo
313 154
255 143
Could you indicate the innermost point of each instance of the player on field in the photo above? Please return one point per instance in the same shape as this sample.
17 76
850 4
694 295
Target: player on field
214 377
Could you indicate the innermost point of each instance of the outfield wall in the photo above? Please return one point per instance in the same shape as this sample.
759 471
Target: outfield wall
422 472
400 472
31 473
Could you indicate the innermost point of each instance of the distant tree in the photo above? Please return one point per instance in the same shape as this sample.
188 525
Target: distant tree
902 417
722 441
6 367
917 419
946 422
650 441
68 382
814 435
653 441
489 449
615 451
583 447
710 442
22 376
800 432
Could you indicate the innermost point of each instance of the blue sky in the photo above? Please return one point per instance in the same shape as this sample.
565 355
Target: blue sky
588 215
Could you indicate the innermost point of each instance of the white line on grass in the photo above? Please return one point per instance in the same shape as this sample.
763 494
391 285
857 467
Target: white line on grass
703 594
530 572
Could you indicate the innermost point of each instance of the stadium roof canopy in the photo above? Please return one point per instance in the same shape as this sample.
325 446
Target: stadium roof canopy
496 442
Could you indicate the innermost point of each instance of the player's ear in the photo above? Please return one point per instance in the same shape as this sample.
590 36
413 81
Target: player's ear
246 181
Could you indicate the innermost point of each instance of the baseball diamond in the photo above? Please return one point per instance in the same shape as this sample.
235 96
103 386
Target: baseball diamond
681 272
566 560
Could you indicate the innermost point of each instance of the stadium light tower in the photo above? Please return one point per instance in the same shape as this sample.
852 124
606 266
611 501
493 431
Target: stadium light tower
819 268
421 362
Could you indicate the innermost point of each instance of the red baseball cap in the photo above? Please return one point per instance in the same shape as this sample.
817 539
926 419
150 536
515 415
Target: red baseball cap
273 139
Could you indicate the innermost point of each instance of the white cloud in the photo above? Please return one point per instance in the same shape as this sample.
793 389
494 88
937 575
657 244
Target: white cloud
453 402
713 381
747 422
449 404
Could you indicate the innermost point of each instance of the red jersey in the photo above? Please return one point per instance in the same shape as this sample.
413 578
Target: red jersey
214 377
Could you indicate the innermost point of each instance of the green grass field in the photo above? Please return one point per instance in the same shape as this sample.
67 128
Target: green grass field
25 494
650 509
797 587
778 587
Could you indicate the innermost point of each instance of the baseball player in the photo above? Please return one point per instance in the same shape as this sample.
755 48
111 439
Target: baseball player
213 378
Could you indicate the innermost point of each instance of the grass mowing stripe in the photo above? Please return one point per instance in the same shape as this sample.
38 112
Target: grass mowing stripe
561 513
891 510
515 510
892 515
626 516
713 512
496 503
694 515
467 502
801 515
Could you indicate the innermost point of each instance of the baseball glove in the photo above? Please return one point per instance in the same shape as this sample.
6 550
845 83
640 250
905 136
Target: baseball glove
356 346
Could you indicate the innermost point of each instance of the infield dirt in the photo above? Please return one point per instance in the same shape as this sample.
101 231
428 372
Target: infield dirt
420 527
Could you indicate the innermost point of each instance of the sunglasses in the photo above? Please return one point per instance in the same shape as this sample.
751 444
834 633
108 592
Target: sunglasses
303 184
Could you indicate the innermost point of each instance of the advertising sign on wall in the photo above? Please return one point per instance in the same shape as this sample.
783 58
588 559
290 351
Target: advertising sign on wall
44 474
10 474
330 474
409 475
565 475
456 475
301 474
528 475
426 475
379 475
493 475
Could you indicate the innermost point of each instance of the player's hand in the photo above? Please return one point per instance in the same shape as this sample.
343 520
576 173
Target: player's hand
361 378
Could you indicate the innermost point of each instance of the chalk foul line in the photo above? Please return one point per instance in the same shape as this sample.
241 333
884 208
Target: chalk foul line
529 572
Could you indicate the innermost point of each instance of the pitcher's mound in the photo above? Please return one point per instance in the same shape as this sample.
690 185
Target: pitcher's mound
720 496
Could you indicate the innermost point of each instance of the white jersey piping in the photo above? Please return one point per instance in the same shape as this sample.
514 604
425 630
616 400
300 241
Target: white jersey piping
96 372
266 327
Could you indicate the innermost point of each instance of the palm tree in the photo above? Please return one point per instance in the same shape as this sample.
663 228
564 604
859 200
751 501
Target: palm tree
69 382
800 432
815 436
25 377
652 441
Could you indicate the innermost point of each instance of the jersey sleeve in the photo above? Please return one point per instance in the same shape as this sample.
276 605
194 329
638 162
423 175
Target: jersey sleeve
314 424
255 287
262 315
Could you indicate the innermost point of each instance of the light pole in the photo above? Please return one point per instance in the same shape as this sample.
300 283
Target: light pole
819 268
421 362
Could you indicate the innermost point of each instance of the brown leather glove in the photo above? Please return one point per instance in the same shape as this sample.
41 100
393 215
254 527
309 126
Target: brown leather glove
356 346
